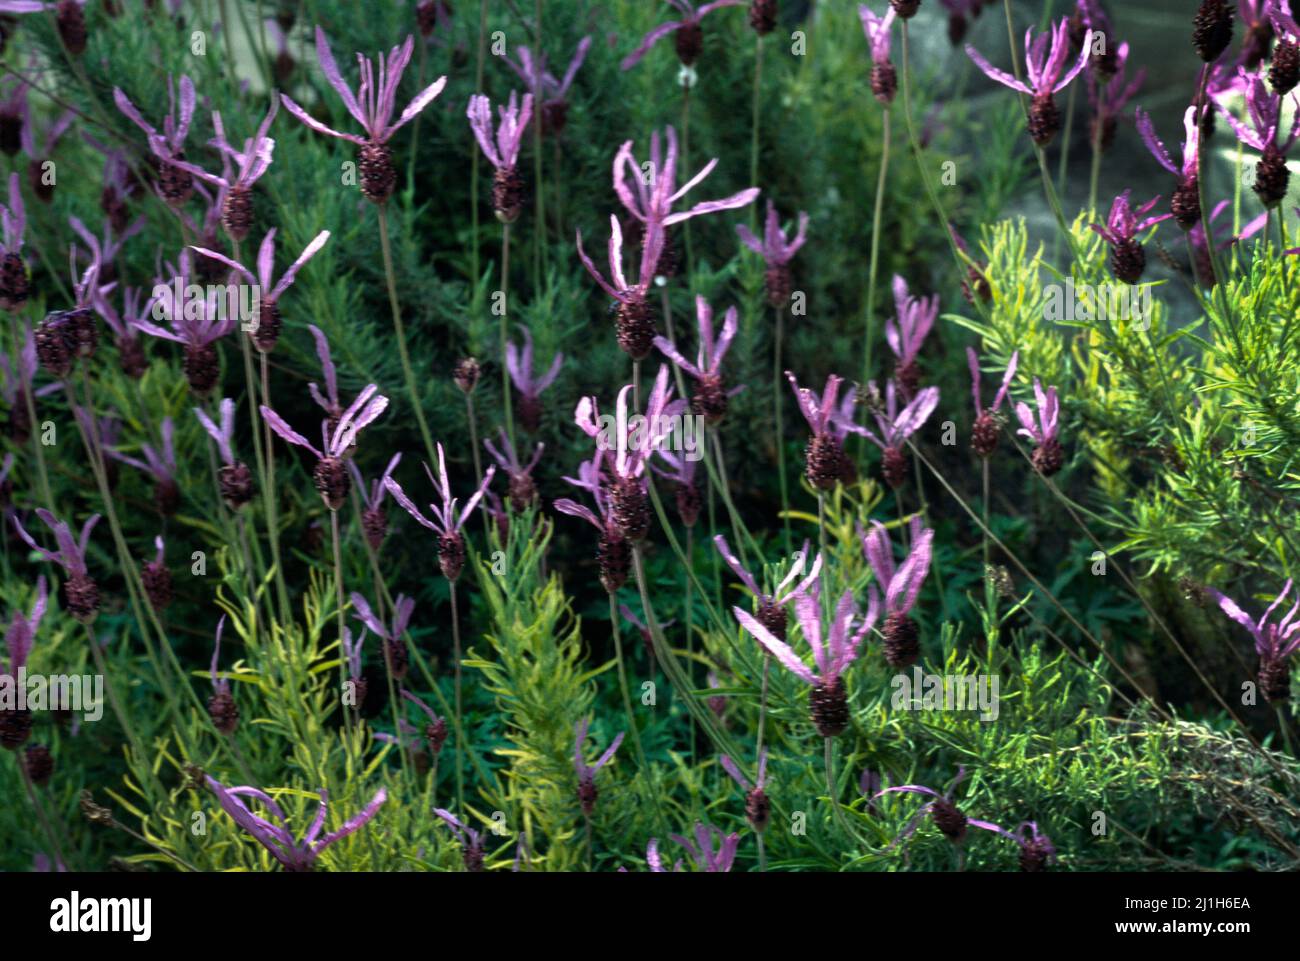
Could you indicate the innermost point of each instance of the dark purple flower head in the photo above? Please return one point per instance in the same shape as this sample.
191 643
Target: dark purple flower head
843 643
193 322
688 47
13 219
652 202
827 414
1110 97
294 855
633 443
973 361
170 144
249 164
592 480
1045 57
547 91
733 769
1191 143
364 410
71 555
372 497
709 398
445 519
1273 642
1264 109
507 458
1124 223
21 634
783 593
916 315
1036 849
223 434
947 818
1046 428
895 426
519 364
503 153
712 852
159 464
376 98
270 289
877 31
471 841
901 584
617 285
587 772
403 608
774 248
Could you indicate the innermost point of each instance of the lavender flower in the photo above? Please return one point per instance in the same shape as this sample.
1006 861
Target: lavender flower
710 397
435 731
826 464
984 433
686 493
66 336
156 578
1047 457
470 840
235 190
712 852
1212 29
1284 71
40 169
613 553
958 12
1045 58
916 315
507 184
1127 258
758 809
130 350
777 252
634 318
1109 98
901 586
828 703
175 183
234 477
15 281
895 427
687 33
1036 849
1265 109
374 519
1200 249
265 327
15 722
396 655
197 327
159 465
523 490
69 19
80 592
947 818
1256 17
222 709
770 610
647 639
1274 643
330 475
884 79
587 792
293 855
546 90
446 523
19 372
519 364
633 446
372 107
1185 202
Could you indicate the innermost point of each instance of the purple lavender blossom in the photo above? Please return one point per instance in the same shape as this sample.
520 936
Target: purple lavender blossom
828 701
777 251
688 34
175 183
234 478
895 427
293 855
80 592
507 184
711 851
374 519
829 419
1045 58
519 364
551 93
15 282
1109 98
234 189
884 79
222 709
680 472
352 652
634 319
21 635
1185 202
1045 431
901 586
330 475
587 792
446 523
987 427
523 490
435 729
19 373
1274 643
1127 258
771 608
160 465
916 315
1037 852
123 324
396 655
471 841
1284 71
265 327
1265 112
947 818
613 553
757 807
197 327
710 397
372 107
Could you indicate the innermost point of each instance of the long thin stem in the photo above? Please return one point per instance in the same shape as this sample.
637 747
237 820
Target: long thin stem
780 427
869 338
272 511
460 713
507 409
399 330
